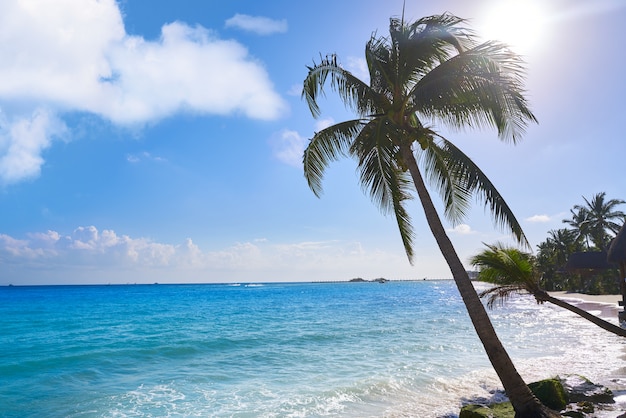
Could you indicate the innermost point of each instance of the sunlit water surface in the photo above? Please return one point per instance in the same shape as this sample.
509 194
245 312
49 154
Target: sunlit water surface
399 349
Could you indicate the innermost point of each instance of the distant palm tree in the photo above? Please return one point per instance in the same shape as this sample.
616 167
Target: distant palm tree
552 255
563 243
426 71
579 223
598 219
513 271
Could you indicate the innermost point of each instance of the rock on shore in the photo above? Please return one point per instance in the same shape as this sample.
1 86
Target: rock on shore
574 396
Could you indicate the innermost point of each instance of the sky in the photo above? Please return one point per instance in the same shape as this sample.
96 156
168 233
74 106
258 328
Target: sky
158 141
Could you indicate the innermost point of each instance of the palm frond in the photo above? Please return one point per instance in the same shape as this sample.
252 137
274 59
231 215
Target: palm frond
479 87
326 146
387 184
355 93
443 178
504 265
378 58
474 181
501 294
427 42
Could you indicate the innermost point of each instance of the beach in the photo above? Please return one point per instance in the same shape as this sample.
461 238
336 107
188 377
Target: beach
604 306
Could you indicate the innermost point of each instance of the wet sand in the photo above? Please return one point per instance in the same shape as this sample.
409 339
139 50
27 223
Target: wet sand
605 306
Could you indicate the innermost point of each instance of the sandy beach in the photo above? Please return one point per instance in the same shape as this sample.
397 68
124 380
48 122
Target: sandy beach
605 306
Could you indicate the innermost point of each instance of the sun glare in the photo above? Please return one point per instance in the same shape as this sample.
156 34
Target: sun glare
517 23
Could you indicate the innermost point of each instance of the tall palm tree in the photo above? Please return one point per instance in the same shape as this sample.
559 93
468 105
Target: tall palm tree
432 70
603 220
513 271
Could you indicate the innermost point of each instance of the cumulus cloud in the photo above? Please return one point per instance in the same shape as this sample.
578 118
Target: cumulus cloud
88 254
75 56
257 24
539 219
289 147
324 123
295 90
22 141
462 229
358 67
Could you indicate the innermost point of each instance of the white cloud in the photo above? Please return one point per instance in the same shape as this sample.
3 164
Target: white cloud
257 24
289 147
462 229
323 123
75 56
22 142
539 219
90 255
295 90
358 67
144 156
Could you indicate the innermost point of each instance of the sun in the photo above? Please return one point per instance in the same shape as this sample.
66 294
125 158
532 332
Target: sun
518 23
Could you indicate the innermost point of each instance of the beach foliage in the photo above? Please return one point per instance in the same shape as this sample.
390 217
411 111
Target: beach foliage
592 227
597 221
512 271
427 73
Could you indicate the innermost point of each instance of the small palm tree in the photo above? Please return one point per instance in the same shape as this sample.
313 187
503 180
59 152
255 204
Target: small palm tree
431 70
513 272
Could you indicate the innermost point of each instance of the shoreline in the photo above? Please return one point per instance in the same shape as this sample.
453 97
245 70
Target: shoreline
604 306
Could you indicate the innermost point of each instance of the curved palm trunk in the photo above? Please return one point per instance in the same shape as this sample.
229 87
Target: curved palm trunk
526 405
605 325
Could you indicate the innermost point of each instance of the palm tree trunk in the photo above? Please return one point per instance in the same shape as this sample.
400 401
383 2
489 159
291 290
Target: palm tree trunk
526 405
543 296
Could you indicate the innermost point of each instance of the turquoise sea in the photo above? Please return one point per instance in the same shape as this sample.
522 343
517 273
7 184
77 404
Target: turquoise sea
399 349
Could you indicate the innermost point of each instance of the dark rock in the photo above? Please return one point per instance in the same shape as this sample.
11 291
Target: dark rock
576 393
474 411
586 407
498 410
581 389
573 414
551 393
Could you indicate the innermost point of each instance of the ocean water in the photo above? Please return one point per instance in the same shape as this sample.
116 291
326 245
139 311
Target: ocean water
399 349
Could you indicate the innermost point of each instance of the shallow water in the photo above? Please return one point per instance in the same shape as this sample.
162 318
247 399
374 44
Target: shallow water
400 349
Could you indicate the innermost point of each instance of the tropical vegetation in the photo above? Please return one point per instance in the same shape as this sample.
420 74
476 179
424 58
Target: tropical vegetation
429 71
513 271
592 226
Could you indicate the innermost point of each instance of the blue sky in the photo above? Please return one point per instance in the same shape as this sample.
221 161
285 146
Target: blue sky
159 141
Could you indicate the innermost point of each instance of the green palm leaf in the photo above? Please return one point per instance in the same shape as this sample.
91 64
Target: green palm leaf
474 181
328 145
388 184
355 93
480 87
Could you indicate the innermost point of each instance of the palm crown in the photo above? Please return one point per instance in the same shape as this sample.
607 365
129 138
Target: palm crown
426 72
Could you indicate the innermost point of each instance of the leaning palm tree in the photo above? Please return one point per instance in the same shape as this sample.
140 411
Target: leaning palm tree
514 272
432 70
